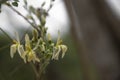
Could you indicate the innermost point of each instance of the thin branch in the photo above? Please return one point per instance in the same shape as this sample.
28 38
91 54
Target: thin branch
34 69
22 16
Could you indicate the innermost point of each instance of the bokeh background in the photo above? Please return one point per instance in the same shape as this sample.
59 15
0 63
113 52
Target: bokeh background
90 29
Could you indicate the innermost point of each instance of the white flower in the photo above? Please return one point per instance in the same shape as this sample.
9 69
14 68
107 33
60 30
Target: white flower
16 46
56 53
31 55
59 48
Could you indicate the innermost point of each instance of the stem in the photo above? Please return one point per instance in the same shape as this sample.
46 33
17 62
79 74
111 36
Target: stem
36 68
22 16
34 26
37 75
33 66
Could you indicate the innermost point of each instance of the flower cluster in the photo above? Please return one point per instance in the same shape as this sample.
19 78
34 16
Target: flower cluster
26 53
38 48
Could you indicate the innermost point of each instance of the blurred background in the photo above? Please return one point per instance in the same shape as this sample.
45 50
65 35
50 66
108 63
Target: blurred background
90 29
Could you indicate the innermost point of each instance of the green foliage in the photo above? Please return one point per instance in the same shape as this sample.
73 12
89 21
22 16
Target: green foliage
15 4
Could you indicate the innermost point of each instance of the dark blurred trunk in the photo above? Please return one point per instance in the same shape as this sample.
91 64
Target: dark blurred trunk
96 31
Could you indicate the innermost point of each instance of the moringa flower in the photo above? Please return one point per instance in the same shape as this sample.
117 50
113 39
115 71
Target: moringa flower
56 53
31 55
59 48
16 46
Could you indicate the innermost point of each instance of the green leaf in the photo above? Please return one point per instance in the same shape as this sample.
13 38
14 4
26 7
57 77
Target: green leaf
15 4
32 9
43 4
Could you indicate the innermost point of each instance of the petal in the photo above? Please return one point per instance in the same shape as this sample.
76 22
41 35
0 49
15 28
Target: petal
56 55
27 40
37 45
21 52
17 37
35 58
12 50
30 56
53 56
64 49
59 40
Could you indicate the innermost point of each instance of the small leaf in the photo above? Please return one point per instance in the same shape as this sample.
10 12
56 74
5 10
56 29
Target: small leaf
15 4
32 9
35 35
43 4
43 20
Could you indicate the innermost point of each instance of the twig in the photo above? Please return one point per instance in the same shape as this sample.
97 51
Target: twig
22 16
32 65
